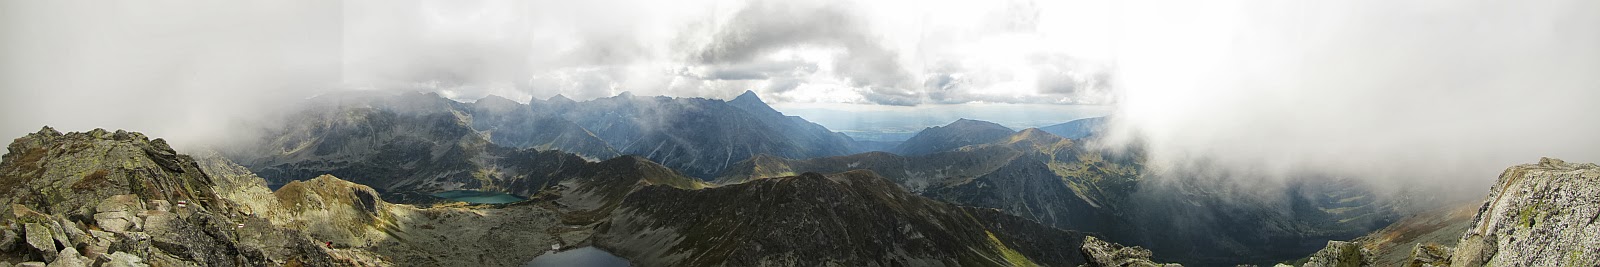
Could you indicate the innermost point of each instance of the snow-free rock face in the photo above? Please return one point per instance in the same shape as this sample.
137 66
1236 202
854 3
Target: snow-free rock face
103 198
1100 253
1341 254
1537 215
118 197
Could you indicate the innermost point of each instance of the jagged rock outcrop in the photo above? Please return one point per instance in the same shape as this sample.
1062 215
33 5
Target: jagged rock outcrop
155 207
1341 254
849 219
1100 253
120 197
1540 214
1429 255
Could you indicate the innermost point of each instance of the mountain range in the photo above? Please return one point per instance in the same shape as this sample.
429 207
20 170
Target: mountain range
423 143
121 198
359 179
1075 184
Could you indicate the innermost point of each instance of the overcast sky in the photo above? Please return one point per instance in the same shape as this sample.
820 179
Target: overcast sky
1365 88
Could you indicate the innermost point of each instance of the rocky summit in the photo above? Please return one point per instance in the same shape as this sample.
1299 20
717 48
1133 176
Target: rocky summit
1540 214
103 198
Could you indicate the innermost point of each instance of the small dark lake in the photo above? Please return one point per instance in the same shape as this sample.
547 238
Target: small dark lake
578 257
479 197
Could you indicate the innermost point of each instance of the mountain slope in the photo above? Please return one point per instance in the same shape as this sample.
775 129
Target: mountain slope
962 132
697 136
1071 184
81 198
408 152
854 219
1077 129
511 124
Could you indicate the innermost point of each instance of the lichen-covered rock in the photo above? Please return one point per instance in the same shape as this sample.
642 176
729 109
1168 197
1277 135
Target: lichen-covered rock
99 243
78 196
1100 253
39 237
123 259
8 239
1429 255
69 257
1537 215
1341 254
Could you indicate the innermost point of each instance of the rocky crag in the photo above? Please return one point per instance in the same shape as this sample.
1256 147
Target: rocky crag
119 198
1539 214
103 198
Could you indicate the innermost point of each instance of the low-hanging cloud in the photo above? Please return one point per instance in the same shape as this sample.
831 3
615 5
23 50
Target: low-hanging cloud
1444 93
187 67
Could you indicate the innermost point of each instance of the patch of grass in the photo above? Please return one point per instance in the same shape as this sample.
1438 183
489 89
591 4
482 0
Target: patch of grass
1531 215
1011 256
92 181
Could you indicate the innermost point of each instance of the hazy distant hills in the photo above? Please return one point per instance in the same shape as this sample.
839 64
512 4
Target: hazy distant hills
1077 129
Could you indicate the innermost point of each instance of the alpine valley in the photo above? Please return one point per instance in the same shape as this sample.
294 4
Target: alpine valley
383 178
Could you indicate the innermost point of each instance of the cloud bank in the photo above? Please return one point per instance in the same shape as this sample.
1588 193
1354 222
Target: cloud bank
188 66
1445 93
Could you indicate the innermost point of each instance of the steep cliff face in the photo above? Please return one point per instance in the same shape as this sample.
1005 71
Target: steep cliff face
849 219
1540 214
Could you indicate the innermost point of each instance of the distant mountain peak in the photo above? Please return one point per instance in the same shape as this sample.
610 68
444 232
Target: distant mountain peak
748 95
957 134
752 103
498 102
560 98
494 98
965 122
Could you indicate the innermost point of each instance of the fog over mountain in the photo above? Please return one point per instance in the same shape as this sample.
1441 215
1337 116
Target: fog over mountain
1426 91
1436 92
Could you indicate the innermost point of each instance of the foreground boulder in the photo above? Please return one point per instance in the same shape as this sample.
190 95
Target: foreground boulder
1537 215
1341 254
1100 253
